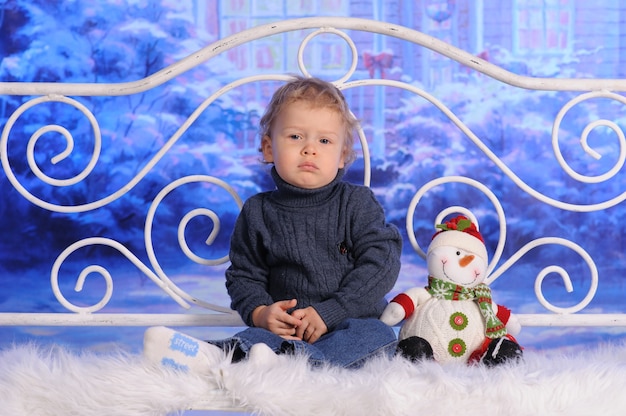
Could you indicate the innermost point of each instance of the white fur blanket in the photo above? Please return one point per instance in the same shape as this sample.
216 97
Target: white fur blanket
54 381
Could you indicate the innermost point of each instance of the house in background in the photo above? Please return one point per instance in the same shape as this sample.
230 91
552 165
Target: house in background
506 31
568 38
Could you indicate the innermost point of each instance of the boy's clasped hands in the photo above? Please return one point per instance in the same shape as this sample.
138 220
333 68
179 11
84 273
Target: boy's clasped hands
302 324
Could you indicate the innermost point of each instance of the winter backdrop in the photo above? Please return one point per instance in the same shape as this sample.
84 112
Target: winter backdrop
125 40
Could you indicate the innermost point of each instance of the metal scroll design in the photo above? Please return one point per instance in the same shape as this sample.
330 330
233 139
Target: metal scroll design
508 172
156 273
69 142
619 164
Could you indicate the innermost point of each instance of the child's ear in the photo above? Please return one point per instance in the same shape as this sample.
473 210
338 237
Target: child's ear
344 156
266 149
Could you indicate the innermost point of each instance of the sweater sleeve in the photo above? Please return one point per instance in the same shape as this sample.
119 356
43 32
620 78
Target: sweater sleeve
247 276
376 247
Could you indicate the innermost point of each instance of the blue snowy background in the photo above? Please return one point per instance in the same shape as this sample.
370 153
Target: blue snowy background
118 41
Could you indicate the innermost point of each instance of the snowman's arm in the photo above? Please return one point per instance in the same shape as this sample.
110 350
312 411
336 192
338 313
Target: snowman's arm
503 313
403 305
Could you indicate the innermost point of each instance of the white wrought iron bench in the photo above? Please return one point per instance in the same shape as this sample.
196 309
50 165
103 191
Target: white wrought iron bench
481 201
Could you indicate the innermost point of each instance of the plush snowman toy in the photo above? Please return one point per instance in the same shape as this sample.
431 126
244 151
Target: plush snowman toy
454 319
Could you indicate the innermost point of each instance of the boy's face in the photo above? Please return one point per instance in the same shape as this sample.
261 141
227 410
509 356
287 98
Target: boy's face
307 145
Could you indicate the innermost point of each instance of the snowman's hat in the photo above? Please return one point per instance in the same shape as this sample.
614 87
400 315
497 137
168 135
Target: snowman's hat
460 232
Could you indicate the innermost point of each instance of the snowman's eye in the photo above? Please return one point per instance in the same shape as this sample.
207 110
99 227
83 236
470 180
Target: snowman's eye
458 253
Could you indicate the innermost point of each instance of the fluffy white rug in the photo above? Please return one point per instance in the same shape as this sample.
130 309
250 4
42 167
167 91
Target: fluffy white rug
54 381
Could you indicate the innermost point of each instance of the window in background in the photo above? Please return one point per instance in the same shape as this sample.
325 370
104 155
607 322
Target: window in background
542 26
328 53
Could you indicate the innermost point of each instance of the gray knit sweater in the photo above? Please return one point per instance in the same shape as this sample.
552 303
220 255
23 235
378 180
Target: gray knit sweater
330 248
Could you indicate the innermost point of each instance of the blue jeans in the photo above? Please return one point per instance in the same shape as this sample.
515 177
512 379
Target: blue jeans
349 345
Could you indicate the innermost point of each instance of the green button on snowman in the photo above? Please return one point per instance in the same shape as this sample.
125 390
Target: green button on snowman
454 319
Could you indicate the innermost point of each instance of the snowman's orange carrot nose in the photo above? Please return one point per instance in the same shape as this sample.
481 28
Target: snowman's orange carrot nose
466 260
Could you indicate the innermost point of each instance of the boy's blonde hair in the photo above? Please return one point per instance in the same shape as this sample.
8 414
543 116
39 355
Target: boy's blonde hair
318 93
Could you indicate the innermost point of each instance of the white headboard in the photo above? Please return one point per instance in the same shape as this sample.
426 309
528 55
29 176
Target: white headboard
486 78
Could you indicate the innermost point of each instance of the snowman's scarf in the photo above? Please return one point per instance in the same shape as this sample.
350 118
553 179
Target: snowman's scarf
494 328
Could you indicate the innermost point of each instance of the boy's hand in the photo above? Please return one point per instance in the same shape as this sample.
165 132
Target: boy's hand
311 327
275 318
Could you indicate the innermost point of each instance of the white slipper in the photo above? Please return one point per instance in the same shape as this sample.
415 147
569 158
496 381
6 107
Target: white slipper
182 352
